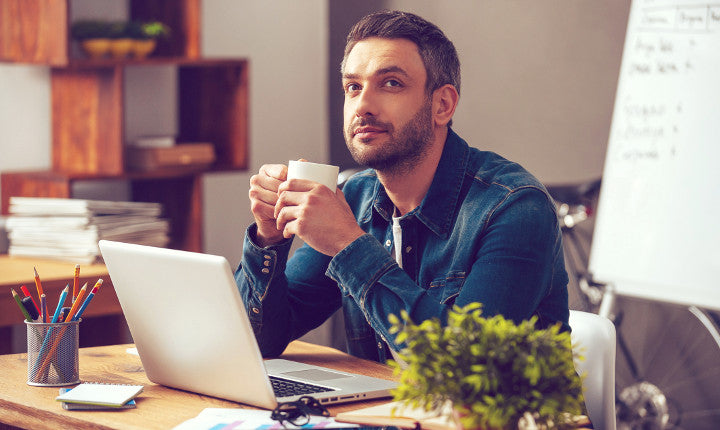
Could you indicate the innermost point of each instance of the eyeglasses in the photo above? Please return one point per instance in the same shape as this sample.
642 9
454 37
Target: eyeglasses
298 412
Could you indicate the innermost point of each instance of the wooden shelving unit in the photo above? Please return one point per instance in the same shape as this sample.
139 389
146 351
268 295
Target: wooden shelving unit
88 108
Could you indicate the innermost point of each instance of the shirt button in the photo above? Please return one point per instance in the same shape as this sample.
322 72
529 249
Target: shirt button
256 310
408 249
388 243
379 345
265 270
266 263
267 257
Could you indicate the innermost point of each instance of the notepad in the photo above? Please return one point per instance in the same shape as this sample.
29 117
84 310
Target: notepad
90 393
86 407
397 414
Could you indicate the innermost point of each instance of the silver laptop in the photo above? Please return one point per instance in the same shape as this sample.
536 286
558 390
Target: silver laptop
192 332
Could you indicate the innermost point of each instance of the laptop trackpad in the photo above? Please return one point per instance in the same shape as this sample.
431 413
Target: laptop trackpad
316 375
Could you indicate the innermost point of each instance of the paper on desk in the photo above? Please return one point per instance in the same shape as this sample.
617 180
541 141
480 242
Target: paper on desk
250 419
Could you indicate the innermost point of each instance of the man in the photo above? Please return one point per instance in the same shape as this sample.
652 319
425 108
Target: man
433 223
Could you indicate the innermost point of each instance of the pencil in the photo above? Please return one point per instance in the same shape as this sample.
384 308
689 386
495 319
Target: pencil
76 281
63 295
77 303
90 296
43 305
38 284
22 308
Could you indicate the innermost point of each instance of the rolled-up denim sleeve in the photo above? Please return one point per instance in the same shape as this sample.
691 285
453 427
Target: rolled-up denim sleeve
285 298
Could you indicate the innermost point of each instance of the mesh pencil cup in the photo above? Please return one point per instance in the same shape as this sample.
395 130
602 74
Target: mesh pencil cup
52 353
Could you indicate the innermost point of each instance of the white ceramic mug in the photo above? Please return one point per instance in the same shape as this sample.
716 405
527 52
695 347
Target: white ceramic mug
322 173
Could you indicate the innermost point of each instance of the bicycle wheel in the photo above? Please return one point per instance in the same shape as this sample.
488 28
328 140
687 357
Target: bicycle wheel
667 367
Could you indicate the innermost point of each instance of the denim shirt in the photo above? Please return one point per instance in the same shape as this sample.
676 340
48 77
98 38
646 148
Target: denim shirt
485 232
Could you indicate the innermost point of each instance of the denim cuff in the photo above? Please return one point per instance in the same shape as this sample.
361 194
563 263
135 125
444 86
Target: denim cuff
261 265
359 266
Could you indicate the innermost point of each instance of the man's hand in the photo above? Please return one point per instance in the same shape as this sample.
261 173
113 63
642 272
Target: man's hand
319 216
263 197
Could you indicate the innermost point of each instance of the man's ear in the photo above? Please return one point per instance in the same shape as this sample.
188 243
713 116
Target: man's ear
444 102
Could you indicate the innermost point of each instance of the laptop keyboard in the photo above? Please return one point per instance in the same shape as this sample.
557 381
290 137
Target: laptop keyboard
286 387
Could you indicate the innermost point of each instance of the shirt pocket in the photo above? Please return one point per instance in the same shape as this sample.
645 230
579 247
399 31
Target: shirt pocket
446 289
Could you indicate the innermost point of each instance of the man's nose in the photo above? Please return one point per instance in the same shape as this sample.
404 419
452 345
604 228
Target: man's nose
366 103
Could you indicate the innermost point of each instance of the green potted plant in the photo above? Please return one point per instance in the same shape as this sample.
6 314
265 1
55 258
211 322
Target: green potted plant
145 36
494 372
93 37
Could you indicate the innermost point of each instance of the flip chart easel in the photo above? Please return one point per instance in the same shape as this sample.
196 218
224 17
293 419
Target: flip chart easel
657 233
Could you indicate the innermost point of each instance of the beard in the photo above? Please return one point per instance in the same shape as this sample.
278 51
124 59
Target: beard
403 150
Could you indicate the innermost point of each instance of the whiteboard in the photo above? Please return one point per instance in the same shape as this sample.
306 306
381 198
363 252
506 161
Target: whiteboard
657 233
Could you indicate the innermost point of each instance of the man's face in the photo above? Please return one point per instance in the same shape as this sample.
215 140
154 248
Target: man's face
388 117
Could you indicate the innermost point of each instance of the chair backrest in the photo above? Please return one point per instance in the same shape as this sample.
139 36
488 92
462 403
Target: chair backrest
593 337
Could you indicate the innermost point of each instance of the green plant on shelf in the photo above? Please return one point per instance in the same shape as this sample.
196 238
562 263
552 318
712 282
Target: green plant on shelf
492 370
120 39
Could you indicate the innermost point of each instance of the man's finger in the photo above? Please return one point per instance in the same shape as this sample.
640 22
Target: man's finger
275 171
287 199
263 195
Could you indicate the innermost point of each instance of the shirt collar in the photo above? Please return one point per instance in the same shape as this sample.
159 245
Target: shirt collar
438 206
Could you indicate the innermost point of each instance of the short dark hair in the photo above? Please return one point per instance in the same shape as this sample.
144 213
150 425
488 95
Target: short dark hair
436 50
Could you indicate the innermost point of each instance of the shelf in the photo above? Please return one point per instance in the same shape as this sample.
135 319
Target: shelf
88 63
212 107
179 191
88 108
37 31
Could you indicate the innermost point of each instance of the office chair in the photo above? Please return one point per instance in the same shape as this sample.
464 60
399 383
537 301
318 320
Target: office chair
593 337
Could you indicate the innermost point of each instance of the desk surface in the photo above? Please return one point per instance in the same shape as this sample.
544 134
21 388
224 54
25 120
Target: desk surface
158 407
54 275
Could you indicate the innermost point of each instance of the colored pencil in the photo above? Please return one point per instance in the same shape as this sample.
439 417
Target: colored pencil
43 305
16 296
76 281
63 295
77 303
38 284
90 296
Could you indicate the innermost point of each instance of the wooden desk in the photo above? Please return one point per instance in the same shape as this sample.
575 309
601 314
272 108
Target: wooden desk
158 407
54 275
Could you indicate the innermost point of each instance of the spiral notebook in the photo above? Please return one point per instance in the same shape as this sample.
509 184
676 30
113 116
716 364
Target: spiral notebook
90 393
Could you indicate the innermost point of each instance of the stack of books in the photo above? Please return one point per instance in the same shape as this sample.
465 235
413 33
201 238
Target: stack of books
69 229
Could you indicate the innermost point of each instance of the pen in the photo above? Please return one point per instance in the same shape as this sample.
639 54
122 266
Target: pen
60 304
43 305
76 281
63 313
38 284
27 294
30 307
90 296
22 308
76 305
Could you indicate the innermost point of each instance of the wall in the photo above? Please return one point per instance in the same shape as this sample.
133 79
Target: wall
285 42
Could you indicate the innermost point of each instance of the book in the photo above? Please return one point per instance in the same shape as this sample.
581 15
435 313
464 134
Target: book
86 407
398 414
69 229
92 393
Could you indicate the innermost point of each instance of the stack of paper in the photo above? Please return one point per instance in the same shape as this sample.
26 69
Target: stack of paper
69 229
92 395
